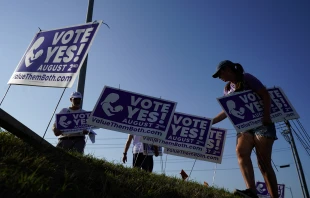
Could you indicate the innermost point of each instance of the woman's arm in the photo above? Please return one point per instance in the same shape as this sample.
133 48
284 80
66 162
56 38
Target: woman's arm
221 116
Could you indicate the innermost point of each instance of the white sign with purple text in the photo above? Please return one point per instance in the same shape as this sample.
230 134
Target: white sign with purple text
214 151
186 132
132 113
55 57
149 150
278 95
245 110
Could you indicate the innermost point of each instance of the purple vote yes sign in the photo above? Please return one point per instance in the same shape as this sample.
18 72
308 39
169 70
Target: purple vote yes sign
262 190
54 57
72 122
186 132
245 110
216 141
279 97
132 113
213 153
149 150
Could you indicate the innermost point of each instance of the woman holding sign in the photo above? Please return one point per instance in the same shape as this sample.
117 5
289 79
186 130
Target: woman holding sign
260 138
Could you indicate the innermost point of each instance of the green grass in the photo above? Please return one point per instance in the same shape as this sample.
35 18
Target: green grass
50 172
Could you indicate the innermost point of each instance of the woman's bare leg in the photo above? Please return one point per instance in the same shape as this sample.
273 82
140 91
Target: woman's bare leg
245 144
263 147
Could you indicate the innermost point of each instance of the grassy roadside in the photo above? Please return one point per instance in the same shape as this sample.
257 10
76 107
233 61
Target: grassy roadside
49 172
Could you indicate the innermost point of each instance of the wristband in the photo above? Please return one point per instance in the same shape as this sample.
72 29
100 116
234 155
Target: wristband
125 153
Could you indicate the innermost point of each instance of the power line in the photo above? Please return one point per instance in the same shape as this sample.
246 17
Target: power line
302 143
301 140
108 146
118 138
306 142
209 169
180 160
302 127
114 138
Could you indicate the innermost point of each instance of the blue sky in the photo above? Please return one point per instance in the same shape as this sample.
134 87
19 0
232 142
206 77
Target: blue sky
169 49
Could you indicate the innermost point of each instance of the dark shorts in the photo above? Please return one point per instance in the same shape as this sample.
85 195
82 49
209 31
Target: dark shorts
264 131
76 143
143 161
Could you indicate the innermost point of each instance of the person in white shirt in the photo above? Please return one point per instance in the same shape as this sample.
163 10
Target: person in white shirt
72 141
139 159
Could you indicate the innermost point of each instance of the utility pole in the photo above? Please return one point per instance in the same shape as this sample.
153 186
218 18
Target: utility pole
82 75
290 139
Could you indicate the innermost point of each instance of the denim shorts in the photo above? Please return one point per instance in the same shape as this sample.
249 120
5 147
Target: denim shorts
264 131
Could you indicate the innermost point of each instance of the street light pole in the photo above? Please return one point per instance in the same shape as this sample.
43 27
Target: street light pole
290 190
214 174
82 74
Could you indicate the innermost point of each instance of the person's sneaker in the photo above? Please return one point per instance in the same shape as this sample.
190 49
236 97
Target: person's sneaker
248 193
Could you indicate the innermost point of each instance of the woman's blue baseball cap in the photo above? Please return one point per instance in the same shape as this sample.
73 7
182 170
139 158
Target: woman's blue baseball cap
220 66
